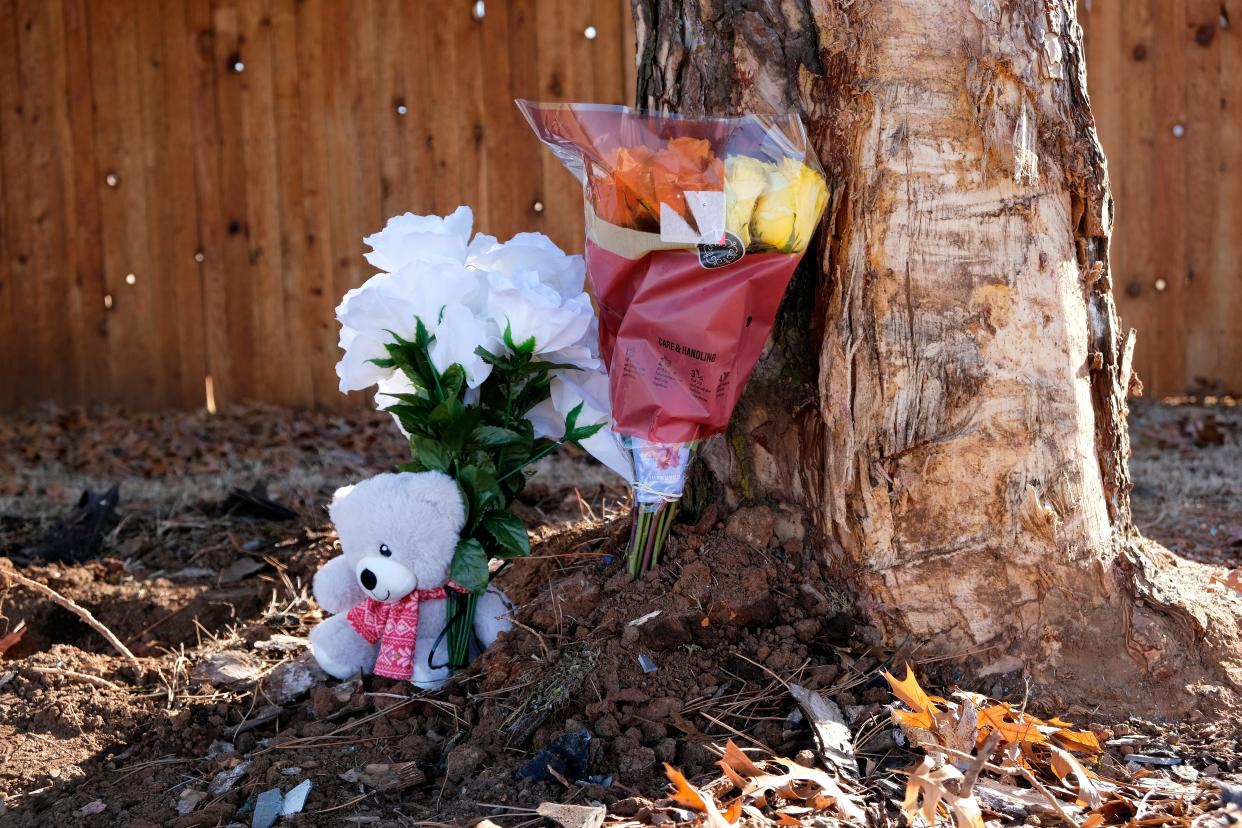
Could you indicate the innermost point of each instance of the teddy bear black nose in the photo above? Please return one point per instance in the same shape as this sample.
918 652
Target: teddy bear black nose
368 579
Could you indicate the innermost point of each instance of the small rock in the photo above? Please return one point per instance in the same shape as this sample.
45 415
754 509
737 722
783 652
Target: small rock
806 629
1184 773
188 800
239 569
228 667
636 760
752 525
573 816
282 643
293 678
226 779
607 727
462 761
92 808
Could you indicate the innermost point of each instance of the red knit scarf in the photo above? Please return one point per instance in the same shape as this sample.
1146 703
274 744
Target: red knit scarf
395 627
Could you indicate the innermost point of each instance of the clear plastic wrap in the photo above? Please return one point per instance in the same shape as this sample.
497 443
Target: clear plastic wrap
693 229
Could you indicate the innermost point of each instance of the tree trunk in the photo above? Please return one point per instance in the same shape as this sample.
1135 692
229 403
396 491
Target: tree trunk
941 412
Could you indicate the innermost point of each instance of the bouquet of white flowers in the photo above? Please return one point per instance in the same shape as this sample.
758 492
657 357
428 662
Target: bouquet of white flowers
486 354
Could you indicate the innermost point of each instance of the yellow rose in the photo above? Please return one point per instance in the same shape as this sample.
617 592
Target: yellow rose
745 178
788 211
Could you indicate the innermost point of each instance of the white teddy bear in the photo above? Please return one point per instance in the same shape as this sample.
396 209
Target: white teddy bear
387 589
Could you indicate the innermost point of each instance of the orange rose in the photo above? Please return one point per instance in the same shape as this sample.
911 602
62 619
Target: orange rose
685 164
622 192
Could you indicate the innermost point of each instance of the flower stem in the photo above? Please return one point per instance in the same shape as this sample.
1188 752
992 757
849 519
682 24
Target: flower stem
648 535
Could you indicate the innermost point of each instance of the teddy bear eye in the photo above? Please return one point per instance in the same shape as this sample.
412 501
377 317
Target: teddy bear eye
385 551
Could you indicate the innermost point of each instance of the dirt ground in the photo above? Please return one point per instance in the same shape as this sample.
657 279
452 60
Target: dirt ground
211 593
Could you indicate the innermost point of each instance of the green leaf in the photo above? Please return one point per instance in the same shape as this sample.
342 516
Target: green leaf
430 453
488 357
509 532
494 436
452 381
535 391
524 348
469 569
482 493
571 419
580 434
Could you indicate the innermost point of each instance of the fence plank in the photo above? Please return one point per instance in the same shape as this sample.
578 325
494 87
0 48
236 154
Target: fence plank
83 239
319 352
13 182
117 73
275 173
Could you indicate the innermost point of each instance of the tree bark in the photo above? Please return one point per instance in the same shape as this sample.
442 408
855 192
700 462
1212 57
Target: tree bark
941 411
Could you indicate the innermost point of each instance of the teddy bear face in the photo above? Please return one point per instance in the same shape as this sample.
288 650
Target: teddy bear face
399 531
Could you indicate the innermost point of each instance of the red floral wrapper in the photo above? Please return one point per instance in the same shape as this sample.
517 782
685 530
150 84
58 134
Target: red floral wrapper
693 229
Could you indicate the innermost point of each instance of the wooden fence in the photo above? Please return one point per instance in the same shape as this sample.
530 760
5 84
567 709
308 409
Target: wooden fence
1165 80
184 184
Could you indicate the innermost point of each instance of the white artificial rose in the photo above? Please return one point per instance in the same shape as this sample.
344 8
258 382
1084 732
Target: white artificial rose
530 253
390 303
531 309
458 335
355 370
583 354
590 388
409 238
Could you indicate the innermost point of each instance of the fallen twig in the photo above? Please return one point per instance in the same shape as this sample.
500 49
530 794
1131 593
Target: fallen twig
1056 803
972 773
73 675
78 610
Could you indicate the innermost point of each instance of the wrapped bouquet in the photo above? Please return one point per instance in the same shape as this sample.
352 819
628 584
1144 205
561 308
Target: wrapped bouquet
693 229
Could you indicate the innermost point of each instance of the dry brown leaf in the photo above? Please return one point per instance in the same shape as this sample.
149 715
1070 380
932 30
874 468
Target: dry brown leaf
783 818
1093 821
909 691
734 811
928 782
1014 726
1065 765
684 793
1083 741
733 776
737 760
915 697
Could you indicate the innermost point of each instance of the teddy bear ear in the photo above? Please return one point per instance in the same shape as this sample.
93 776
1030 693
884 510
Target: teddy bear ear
338 497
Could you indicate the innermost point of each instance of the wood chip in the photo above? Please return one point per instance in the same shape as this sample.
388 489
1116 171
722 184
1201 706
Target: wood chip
832 734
